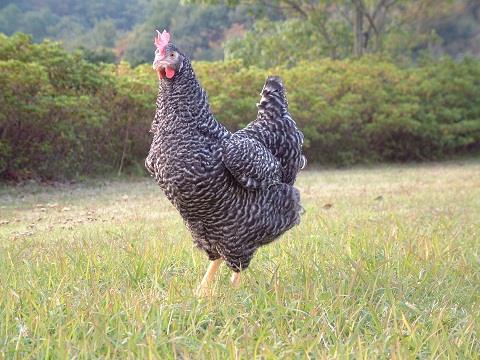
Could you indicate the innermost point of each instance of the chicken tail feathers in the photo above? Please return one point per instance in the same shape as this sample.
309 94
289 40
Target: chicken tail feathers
275 129
274 102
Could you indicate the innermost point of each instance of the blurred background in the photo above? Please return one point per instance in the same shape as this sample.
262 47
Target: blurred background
368 80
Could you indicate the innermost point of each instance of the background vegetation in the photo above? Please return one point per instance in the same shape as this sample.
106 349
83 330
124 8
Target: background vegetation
63 116
368 80
113 30
250 29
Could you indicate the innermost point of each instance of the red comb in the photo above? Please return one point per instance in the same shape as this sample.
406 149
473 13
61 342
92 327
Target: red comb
162 39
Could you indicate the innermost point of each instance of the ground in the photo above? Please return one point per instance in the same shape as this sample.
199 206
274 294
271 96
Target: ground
386 263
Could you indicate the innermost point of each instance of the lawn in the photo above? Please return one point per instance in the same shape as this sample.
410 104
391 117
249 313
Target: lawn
385 264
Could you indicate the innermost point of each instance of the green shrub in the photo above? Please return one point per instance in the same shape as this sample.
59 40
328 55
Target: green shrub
62 116
364 110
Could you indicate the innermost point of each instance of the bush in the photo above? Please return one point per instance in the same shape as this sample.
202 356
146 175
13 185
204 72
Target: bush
63 117
366 110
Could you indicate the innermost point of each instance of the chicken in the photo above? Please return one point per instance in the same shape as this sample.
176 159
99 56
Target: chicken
234 190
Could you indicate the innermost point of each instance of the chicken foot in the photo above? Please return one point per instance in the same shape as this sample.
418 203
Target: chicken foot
204 289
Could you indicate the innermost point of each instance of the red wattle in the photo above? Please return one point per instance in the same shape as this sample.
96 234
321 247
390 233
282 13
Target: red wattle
169 72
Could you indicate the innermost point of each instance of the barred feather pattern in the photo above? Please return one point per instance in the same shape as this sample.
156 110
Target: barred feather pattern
229 188
277 131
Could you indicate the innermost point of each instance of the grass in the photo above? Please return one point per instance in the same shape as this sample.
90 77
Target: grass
385 264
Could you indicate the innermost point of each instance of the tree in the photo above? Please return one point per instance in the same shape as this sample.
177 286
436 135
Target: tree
367 23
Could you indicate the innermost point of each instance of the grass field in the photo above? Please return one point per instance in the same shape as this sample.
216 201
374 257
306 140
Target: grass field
385 264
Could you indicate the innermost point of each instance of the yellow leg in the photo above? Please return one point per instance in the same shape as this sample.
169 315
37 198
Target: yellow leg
204 289
235 279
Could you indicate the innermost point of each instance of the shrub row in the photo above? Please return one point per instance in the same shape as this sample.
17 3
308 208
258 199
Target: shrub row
62 117
366 110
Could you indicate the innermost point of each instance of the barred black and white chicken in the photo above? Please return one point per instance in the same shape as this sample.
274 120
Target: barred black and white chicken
234 190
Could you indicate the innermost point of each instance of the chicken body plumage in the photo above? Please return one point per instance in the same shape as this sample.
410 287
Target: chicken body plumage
233 190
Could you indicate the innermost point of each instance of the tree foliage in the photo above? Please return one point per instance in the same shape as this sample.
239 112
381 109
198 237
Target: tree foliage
274 43
111 31
115 30
351 28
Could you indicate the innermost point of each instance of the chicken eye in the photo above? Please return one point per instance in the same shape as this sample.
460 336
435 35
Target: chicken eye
172 55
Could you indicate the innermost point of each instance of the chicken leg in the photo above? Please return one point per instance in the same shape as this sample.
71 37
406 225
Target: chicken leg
204 289
235 280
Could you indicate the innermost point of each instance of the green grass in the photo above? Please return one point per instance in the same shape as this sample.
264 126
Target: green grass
107 270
